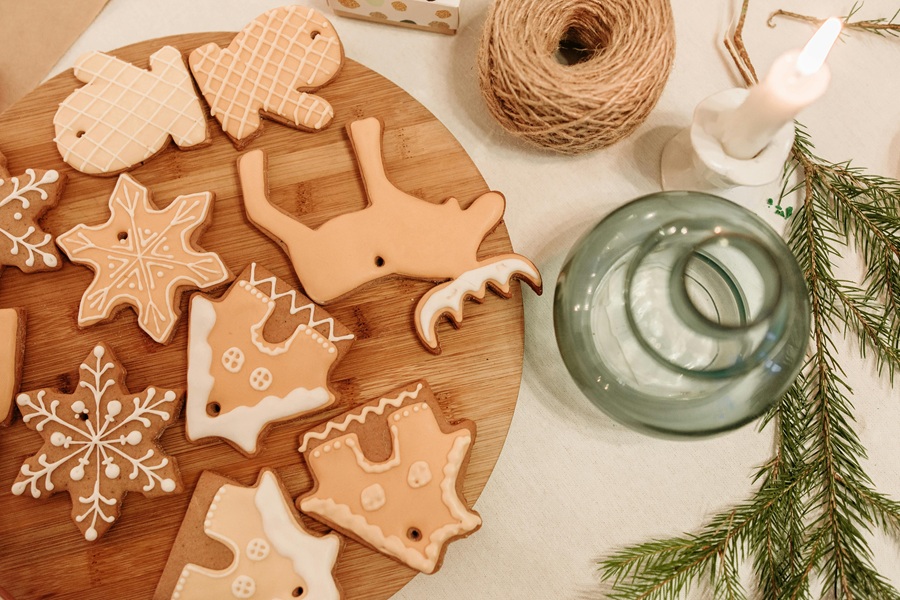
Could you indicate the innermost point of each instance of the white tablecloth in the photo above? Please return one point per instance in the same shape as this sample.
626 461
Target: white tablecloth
571 484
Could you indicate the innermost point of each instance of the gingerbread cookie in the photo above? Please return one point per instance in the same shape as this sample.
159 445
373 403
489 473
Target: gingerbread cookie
260 355
395 234
389 473
23 201
270 67
12 350
99 443
144 257
272 555
125 115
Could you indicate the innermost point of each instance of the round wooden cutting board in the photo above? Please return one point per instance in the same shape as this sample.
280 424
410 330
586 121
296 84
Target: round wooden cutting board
315 178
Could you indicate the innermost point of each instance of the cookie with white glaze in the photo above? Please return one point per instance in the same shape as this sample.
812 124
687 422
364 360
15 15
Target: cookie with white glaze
256 537
389 474
261 355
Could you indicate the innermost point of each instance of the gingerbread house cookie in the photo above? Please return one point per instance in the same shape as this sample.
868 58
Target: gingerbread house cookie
389 473
260 355
272 555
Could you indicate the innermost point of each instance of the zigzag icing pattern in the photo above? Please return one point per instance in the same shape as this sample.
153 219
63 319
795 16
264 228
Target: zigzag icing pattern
270 292
358 418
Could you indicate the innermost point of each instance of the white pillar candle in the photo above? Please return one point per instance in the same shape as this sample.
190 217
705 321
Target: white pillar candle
797 79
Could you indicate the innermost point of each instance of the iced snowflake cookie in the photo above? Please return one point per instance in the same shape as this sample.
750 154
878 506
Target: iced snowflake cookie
144 257
273 555
395 234
260 355
23 201
270 67
99 443
125 115
12 349
389 473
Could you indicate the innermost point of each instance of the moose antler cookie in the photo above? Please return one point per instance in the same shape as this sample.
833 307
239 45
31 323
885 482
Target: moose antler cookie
395 234
23 201
389 473
270 67
99 443
260 355
273 555
125 115
144 257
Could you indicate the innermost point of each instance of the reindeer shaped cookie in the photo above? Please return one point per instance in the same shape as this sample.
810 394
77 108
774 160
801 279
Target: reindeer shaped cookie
395 234
125 115
270 66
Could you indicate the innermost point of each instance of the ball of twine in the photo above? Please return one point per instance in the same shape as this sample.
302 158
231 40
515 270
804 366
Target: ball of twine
627 48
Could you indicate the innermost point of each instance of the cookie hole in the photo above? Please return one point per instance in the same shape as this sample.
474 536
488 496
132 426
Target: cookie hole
213 409
83 416
80 133
414 534
298 591
123 235
314 34
379 262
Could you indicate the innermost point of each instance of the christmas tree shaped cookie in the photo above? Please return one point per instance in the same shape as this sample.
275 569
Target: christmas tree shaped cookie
144 257
99 443
273 555
23 201
389 473
260 355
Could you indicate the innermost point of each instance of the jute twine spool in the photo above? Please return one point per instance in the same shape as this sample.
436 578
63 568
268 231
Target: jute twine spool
627 47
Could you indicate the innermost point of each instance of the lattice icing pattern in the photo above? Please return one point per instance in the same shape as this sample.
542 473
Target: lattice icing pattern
274 556
144 257
441 16
99 443
407 506
271 66
240 382
124 114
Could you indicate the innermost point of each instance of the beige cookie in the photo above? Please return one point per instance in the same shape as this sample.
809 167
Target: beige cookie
389 473
12 351
261 355
272 555
99 443
396 234
124 115
144 257
269 69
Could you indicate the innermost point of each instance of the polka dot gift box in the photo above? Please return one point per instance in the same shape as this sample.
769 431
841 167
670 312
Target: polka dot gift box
441 16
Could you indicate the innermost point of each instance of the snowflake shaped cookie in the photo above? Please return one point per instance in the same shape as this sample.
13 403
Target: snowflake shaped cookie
99 443
144 257
23 200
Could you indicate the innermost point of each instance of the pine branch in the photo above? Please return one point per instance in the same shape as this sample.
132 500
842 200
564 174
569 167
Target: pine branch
881 27
815 503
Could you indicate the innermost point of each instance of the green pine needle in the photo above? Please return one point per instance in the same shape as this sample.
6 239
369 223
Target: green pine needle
815 506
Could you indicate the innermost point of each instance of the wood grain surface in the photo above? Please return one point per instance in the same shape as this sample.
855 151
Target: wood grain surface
313 176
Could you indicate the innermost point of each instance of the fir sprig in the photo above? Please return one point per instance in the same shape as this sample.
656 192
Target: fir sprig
815 503
881 26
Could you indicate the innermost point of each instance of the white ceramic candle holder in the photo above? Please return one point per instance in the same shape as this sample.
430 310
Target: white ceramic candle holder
695 160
